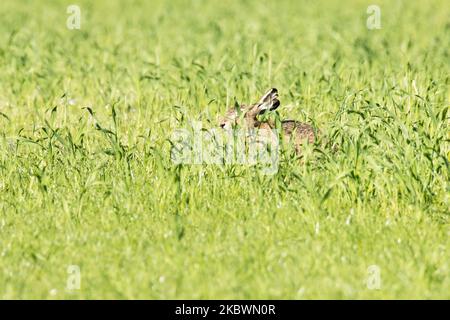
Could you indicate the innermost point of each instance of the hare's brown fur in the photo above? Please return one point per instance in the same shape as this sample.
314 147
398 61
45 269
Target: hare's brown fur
246 116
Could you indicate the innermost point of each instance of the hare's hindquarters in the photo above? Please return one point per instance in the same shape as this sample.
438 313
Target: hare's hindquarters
297 133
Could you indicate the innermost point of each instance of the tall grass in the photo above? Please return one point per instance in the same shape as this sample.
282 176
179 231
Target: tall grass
86 176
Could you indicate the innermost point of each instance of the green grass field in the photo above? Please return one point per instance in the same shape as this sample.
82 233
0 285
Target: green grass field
99 190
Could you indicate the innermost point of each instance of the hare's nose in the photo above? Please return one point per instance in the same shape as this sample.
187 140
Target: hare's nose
222 125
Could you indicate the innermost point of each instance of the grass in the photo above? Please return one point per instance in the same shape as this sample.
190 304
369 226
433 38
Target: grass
86 177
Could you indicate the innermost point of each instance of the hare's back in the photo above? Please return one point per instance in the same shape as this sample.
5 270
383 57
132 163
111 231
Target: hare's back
302 131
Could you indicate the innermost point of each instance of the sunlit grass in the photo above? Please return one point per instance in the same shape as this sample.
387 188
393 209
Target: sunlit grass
86 176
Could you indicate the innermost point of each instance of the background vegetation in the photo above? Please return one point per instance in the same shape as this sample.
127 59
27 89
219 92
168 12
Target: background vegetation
86 177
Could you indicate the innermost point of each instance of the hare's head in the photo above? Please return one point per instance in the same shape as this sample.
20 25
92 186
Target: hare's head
245 115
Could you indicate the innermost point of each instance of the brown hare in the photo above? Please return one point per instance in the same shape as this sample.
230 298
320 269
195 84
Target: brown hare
245 116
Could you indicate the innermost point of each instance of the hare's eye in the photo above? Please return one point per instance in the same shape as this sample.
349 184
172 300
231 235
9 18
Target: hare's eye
222 125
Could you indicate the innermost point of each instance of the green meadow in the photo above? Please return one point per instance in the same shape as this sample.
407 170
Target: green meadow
93 207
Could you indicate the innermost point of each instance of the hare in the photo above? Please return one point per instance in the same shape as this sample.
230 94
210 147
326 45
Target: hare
246 116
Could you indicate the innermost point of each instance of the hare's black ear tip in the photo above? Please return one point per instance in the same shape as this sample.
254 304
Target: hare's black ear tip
275 104
269 96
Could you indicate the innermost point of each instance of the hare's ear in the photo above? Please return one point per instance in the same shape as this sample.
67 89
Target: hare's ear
269 101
